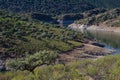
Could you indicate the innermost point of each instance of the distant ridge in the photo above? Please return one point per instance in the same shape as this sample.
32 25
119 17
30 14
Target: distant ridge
55 7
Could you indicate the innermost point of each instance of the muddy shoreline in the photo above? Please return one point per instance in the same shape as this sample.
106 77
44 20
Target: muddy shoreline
88 51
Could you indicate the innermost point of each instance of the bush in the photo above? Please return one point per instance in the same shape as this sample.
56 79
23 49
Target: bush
31 62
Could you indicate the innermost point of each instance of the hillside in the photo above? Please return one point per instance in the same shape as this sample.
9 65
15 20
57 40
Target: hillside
108 18
22 36
103 69
36 45
55 7
52 7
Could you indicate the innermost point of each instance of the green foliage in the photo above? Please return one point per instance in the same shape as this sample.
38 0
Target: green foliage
31 62
110 17
23 35
52 7
107 68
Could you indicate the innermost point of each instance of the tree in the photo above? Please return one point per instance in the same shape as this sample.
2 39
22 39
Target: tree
31 62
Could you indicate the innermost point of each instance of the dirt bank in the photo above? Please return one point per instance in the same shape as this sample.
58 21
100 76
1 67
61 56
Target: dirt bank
101 27
104 28
88 51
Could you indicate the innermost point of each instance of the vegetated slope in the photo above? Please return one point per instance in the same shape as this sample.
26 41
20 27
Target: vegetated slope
109 18
46 6
20 36
103 69
78 16
105 4
55 7
28 40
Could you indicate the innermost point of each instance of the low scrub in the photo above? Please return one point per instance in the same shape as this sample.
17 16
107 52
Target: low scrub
107 68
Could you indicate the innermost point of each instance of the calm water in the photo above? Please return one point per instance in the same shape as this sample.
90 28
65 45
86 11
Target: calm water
110 39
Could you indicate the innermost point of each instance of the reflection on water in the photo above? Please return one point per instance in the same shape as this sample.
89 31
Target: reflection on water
110 39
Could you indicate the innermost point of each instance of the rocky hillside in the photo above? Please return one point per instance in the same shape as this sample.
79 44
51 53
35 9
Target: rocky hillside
107 17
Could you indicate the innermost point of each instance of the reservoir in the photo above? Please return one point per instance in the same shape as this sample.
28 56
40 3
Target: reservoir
111 40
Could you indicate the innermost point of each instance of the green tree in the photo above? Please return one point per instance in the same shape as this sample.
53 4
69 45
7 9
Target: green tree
31 62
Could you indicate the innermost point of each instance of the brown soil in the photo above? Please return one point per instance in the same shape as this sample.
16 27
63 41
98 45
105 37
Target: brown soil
88 51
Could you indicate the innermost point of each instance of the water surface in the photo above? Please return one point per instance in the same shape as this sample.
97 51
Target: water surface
110 39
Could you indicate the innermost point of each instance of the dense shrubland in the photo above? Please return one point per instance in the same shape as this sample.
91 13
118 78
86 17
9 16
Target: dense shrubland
102 69
55 7
52 7
29 45
24 39
30 62
21 36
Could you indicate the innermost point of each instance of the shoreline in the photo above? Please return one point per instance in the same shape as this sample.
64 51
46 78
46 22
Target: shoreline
94 27
104 28
88 51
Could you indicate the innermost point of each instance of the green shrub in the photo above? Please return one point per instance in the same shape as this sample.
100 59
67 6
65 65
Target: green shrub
31 62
